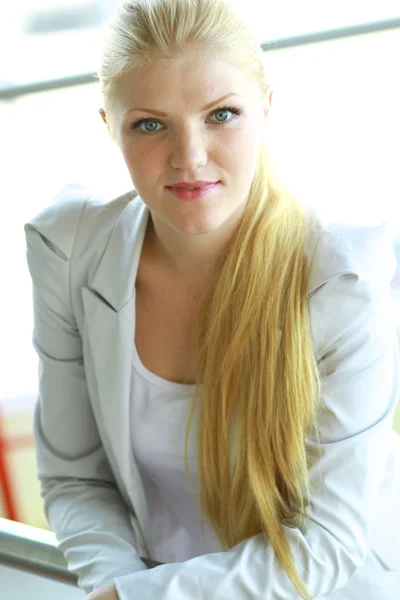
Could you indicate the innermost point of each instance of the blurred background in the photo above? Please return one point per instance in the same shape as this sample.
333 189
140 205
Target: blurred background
333 137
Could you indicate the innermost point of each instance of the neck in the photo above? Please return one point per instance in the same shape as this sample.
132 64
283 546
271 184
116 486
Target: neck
191 258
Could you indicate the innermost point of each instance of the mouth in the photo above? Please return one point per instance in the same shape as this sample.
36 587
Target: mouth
192 193
182 186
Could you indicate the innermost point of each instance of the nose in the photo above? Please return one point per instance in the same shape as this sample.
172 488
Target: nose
189 150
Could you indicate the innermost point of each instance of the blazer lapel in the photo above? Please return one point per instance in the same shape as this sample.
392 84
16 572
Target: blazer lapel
109 314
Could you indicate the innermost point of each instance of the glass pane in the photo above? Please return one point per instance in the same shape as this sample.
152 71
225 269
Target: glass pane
46 39
289 18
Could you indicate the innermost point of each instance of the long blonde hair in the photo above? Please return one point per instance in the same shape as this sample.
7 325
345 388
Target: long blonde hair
254 354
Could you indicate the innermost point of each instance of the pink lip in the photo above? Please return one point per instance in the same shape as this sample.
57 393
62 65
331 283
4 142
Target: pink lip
190 195
188 184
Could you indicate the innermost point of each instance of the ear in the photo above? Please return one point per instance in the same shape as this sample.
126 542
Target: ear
268 102
102 113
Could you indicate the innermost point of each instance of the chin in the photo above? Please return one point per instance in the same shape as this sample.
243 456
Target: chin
197 230
191 226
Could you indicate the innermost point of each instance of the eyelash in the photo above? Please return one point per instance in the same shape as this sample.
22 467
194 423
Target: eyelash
236 111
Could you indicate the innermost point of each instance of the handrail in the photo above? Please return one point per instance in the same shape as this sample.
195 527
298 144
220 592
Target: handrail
35 550
12 91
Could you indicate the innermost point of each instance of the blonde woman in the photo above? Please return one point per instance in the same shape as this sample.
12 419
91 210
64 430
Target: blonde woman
218 367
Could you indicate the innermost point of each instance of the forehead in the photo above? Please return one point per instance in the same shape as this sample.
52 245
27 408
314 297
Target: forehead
190 83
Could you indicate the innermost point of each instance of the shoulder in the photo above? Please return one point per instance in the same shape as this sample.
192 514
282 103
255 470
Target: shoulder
349 289
343 248
76 208
349 285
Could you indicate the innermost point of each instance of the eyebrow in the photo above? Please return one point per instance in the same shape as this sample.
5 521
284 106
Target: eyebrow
163 114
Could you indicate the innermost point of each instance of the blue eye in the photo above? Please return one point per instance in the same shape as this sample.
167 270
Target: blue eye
154 122
222 111
146 122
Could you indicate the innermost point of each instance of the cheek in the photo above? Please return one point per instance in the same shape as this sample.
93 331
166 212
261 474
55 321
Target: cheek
141 159
243 148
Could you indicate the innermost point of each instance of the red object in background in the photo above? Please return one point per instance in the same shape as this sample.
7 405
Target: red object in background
6 444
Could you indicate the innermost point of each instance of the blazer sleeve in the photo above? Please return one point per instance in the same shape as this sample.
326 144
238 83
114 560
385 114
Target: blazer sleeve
81 499
356 346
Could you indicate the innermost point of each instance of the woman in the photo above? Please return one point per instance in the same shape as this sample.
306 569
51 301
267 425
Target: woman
232 294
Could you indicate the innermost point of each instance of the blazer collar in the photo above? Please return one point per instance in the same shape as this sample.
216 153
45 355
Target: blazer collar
115 276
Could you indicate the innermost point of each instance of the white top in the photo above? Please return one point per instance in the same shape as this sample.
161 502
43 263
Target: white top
159 416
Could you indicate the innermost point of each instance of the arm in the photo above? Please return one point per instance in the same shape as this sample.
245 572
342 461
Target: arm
359 361
105 593
81 499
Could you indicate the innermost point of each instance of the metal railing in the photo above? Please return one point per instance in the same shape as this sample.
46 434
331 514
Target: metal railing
35 550
13 91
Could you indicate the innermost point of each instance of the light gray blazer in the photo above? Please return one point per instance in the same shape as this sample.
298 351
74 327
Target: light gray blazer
82 255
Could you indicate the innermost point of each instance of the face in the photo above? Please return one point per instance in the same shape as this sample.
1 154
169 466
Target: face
185 131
